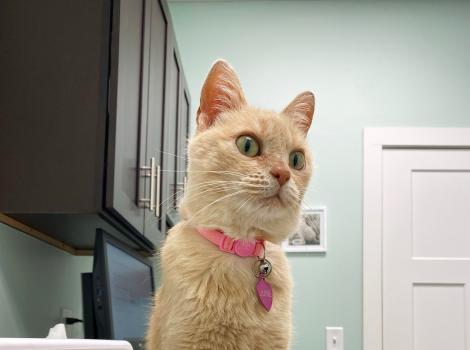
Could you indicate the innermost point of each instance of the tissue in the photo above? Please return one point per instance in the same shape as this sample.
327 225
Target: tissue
57 332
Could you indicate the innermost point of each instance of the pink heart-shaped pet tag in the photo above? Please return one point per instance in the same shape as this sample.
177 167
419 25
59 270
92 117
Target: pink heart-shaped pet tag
265 293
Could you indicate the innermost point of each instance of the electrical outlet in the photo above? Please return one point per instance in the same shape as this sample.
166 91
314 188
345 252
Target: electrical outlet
334 338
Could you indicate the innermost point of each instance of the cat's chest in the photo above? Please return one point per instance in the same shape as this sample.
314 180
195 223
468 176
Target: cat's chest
197 266
217 280
244 272
234 286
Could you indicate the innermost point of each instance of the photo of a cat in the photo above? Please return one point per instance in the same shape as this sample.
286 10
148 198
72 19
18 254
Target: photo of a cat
310 235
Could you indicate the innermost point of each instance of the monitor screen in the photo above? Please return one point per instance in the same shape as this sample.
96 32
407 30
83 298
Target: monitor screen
130 292
121 291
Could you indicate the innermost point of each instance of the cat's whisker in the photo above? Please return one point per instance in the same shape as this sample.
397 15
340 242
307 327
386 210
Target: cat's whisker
201 185
194 192
216 187
307 203
214 202
296 196
241 183
215 182
219 188
170 154
226 171
241 206
203 171
221 184
301 201
256 185
208 183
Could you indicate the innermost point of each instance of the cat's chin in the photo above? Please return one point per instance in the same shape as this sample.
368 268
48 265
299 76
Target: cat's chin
276 207
269 222
274 201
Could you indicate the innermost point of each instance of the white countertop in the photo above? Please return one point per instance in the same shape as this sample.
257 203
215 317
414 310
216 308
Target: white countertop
62 344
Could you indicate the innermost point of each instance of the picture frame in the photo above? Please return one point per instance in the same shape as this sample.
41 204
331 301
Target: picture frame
310 235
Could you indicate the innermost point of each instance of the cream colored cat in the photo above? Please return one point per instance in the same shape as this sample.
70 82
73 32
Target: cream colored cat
248 171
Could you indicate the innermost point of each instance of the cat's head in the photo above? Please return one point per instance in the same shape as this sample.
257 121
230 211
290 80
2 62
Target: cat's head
248 168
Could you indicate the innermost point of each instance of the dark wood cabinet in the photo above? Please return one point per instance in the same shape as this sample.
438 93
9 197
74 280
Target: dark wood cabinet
155 103
183 135
175 134
126 113
183 131
170 128
92 98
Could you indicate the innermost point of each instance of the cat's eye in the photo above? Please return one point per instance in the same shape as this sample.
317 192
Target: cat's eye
297 160
248 146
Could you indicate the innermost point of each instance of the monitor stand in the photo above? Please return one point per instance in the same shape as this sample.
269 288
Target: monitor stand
89 323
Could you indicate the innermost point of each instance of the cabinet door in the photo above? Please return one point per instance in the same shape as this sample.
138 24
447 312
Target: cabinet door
155 108
183 133
53 87
123 176
170 132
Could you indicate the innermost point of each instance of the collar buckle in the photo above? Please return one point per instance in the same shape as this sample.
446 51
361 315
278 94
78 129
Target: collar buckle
226 244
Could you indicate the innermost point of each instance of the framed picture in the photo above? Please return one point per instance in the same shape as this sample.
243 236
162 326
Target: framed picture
310 235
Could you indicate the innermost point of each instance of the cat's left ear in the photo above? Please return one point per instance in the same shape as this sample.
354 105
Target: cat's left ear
301 110
220 93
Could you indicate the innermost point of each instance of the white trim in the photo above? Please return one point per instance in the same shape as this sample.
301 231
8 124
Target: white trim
321 248
375 140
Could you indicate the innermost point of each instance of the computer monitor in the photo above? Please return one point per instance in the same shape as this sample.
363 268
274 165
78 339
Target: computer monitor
122 288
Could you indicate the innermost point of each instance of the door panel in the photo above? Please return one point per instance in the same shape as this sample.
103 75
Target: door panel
170 131
124 109
426 254
439 316
431 190
156 88
182 142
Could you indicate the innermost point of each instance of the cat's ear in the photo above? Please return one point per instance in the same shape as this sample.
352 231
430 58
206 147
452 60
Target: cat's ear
301 110
221 92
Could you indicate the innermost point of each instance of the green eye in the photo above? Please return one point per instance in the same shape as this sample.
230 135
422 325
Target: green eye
248 146
297 160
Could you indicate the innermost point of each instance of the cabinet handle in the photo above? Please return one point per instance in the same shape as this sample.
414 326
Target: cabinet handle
157 209
144 202
152 184
149 171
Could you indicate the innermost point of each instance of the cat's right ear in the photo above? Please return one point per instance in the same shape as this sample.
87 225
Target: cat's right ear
221 92
301 110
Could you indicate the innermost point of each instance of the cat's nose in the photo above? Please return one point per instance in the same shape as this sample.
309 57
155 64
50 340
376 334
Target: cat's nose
281 174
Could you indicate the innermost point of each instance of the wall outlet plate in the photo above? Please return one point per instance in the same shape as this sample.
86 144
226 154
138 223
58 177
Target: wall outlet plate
334 338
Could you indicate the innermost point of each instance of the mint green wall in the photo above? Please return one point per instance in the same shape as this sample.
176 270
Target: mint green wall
36 280
370 63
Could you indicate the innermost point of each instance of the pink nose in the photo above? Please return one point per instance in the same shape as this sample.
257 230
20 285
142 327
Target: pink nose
281 174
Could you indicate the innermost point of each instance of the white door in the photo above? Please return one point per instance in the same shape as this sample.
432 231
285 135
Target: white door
426 249
417 239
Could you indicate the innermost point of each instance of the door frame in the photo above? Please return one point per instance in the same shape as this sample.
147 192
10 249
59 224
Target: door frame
376 140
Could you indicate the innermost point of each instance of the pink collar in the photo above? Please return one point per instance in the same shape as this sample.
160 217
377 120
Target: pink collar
240 247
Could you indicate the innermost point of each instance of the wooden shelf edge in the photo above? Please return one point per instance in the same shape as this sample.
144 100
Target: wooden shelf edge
43 236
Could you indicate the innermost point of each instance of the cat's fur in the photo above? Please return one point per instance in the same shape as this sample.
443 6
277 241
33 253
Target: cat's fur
207 298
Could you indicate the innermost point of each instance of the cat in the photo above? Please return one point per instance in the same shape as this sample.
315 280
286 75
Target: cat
248 171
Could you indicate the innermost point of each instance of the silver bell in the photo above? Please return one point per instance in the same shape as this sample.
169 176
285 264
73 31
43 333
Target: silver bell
265 268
